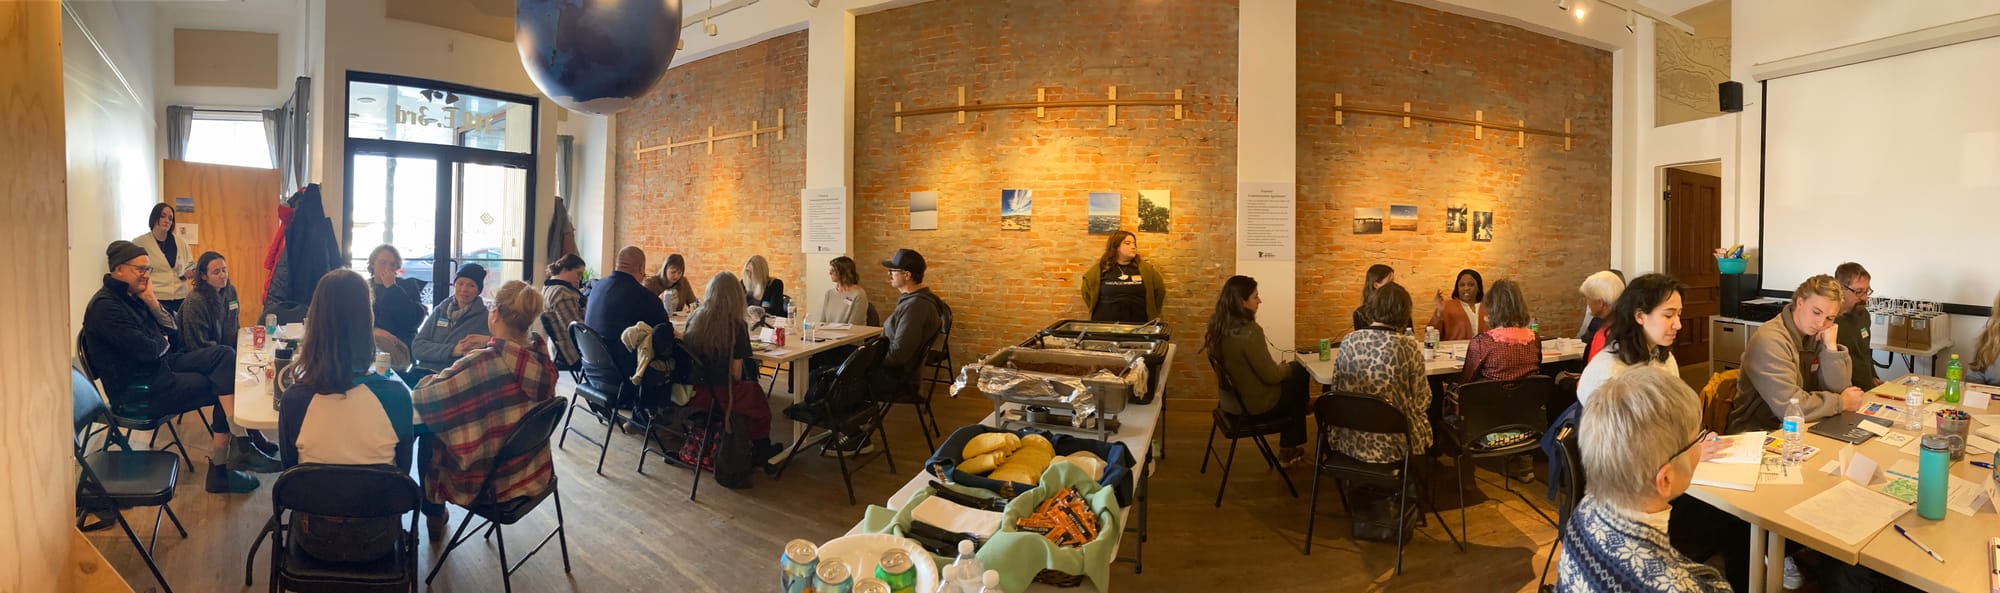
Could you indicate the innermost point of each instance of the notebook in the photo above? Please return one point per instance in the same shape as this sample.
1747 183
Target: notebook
1847 427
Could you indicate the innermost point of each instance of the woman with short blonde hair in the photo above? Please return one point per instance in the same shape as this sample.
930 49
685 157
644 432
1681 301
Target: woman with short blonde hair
761 290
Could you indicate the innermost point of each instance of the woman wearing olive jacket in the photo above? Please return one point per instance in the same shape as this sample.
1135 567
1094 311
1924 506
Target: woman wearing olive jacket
1122 287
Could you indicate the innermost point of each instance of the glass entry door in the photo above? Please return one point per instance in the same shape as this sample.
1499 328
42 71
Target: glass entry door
490 203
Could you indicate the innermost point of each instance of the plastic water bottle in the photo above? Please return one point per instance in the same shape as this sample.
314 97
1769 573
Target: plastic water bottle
964 574
990 582
1431 342
1954 381
1913 409
1794 418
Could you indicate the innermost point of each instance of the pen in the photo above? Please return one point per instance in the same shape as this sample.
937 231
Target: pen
1920 545
1982 464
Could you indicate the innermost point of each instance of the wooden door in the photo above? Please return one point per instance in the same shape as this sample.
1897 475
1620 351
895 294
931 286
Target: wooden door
235 214
1694 221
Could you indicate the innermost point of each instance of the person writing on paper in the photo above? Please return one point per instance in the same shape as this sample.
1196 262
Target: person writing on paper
1600 291
1265 390
846 302
1639 439
1796 356
1122 287
1854 322
1643 324
1465 316
1378 275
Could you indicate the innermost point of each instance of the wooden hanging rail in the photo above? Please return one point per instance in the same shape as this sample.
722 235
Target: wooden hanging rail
1478 122
1111 102
712 138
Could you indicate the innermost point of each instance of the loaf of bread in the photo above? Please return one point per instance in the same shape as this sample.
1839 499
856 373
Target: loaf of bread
987 451
1026 464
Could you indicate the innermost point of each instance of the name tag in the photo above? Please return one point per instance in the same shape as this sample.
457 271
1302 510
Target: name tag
850 300
233 306
442 322
1864 333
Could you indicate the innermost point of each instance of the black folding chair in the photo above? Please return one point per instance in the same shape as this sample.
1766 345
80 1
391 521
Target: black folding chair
564 364
111 481
529 438
1492 407
839 403
1363 413
349 493
910 390
942 371
1230 420
611 399
120 427
1569 491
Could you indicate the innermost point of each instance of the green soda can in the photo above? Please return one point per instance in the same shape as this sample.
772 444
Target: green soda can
897 572
833 577
800 559
1325 349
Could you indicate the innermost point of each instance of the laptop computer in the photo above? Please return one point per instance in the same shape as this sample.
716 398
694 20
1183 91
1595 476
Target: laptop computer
1847 427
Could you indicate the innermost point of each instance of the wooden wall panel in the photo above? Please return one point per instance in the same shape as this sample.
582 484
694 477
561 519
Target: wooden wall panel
236 210
36 468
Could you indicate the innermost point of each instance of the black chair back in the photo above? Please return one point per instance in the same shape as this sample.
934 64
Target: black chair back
346 491
1486 407
1225 389
1359 412
531 435
555 345
850 379
1572 478
86 407
596 350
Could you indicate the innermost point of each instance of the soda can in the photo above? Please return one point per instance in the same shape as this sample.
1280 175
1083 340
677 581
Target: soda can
1325 349
799 560
778 337
897 572
833 577
871 586
257 337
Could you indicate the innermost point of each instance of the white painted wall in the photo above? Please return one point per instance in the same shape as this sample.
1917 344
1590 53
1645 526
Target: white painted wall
286 18
109 114
1267 90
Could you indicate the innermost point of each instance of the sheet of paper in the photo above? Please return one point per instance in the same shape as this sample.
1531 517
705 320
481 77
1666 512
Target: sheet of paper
1881 410
1748 448
1773 470
1898 439
1874 428
1849 513
1901 483
1734 476
1982 443
1935 407
1832 468
1987 419
1966 496
1912 447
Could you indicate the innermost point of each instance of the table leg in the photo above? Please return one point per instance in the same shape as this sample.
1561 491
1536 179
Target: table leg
801 381
1757 563
1774 569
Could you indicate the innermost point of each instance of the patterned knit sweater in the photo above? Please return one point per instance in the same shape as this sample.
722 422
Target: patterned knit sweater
1606 551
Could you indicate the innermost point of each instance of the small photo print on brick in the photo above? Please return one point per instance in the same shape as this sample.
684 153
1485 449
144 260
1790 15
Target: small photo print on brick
1017 209
1456 217
923 210
1155 210
1104 212
1402 218
1482 226
1367 221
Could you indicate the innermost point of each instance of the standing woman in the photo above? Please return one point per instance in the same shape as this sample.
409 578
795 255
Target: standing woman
1266 390
676 293
1378 275
565 305
1465 316
399 302
208 317
1122 287
173 260
846 302
761 290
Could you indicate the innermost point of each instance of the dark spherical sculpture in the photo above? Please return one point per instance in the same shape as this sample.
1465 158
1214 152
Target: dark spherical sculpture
596 56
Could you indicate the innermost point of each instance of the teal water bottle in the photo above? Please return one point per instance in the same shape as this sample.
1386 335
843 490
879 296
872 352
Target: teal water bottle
1954 381
1933 467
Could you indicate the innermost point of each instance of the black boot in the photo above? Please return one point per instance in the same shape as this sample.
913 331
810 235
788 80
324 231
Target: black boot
222 480
263 445
244 455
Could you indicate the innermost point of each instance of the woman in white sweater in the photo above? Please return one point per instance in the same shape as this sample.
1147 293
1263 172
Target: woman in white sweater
1644 322
173 260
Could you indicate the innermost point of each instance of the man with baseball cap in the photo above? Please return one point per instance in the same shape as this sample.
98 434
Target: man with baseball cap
127 343
910 329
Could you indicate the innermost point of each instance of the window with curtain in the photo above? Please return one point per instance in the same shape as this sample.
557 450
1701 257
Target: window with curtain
224 140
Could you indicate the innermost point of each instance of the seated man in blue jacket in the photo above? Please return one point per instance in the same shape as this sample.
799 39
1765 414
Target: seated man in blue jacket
126 341
618 302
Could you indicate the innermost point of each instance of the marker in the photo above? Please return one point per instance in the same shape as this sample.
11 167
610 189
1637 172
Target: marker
1920 545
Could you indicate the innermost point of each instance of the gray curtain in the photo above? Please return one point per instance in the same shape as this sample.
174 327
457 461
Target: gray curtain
288 130
180 118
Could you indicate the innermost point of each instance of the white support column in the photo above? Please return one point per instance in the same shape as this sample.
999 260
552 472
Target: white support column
1267 141
830 135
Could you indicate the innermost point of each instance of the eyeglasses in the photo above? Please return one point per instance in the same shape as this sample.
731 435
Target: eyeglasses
1704 435
1864 293
143 270
896 271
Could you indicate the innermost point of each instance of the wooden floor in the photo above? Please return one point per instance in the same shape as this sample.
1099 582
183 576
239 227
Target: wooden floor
633 532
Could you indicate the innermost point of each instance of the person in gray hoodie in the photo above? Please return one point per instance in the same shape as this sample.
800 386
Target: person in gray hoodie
455 327
1796 355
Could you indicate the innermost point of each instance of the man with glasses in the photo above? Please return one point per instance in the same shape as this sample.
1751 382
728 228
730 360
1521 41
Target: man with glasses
918 318
126 341
1854 322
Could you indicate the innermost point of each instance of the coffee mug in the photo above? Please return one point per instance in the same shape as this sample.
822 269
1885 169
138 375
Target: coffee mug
1954 425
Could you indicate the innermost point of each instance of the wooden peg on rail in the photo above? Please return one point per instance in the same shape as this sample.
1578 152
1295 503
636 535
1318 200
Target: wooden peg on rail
711 139
899 117
1566 136
1040 95
1479 130
961 103
1336 110
1521 137
1177 103
1111 116
781 124
1406 109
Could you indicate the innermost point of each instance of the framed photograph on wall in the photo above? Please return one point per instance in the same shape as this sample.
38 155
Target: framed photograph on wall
1155 210
1367 221
1402 217
1017 209
1455 218
923 210
1482 226
1104 212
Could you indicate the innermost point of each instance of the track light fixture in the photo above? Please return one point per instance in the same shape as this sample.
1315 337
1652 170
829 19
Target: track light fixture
1562 5
1631 22
812 3
708 27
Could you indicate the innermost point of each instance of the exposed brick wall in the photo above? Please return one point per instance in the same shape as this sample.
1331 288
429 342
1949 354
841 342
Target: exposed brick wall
1551 208
718 209
1003 286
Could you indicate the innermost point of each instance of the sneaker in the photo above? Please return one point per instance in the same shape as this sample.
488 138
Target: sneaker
1291 456
851 447
222 480
244 455
1793 578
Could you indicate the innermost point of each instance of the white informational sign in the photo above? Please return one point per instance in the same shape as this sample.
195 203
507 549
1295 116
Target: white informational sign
823 220
1266 226
189 232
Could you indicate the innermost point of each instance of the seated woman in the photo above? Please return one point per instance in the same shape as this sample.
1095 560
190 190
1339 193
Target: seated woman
1641 333
675 292
1638 441
1599 291
761 290
337 412
1380 361
209 315
564 306
456 327
846 302
399 304
1378 275
1509 350
1981 369
1796 356
470 408
1267 389
1465 316
717 341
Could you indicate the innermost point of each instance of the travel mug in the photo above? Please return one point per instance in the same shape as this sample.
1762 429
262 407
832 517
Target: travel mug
1933 467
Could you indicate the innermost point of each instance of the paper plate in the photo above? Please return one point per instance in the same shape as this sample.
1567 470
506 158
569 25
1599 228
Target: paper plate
862 552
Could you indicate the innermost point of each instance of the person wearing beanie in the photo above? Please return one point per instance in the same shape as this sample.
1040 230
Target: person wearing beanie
455 327
173 261
126 343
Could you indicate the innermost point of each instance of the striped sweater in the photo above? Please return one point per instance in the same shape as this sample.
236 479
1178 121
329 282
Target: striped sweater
470 409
